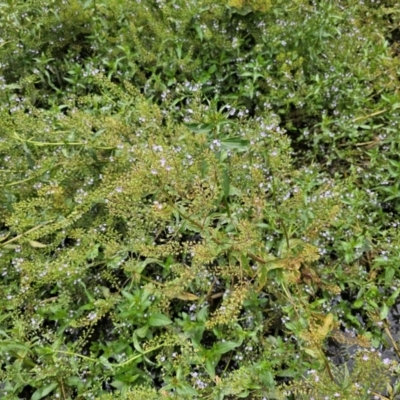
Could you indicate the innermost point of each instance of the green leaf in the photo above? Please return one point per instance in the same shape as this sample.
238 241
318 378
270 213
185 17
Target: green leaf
346 375
202 314
224 347
393 297
389 274
159 320
199 128
211 363
358 303
106 291
311 352
234 191
136 344
65 152
192 227
186 390
150 260
105 362
384 311
199 31
375 342
186 296
42 392
128 295
242 11
10 246
119 385
267 378
236 143
8 345
93 252
142 332
13 85
75 381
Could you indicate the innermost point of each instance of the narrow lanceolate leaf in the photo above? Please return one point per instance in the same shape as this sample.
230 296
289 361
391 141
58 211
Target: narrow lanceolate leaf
4 237
186 296
384 312
35 244
10 246
9 345
327 326
199 128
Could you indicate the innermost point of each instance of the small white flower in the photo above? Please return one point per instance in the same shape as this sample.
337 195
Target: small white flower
157 148
216 144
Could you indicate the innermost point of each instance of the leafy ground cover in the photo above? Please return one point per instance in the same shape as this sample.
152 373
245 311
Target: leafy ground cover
200 200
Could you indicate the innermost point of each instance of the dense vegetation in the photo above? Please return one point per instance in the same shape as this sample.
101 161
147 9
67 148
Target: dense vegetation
200 199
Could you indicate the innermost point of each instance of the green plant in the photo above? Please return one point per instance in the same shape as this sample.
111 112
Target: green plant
196 197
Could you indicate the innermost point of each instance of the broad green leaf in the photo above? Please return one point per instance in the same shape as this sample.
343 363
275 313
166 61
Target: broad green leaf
120 385
142 332
287 373
93 252
186 390
202 314
128 295
267 378
105 362
235 144
242 11
42 392
234 191
224 347
158 320
75 381
311 352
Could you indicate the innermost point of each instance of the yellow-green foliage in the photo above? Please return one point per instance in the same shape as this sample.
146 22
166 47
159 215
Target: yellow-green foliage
100 195
368 377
